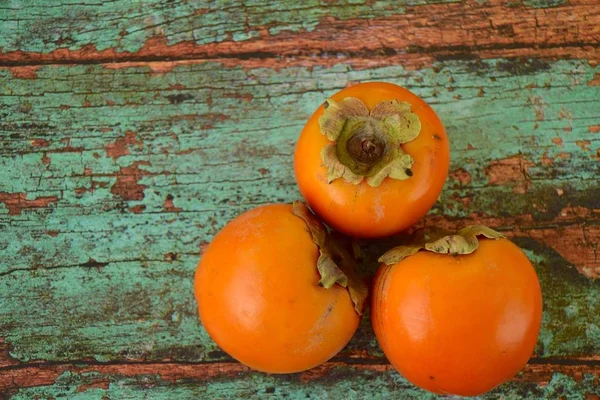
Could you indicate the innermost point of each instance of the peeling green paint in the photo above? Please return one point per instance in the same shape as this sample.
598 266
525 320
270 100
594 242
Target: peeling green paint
363 384
125 26
112 181
107 268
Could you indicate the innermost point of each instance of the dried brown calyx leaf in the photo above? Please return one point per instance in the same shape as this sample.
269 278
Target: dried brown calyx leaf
441 241
335 263
368 144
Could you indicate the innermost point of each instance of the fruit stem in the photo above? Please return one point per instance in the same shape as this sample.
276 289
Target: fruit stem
367 144
365 148
441 241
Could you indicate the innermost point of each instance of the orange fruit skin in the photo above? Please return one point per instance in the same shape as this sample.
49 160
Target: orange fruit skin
259 299
370 212
458 325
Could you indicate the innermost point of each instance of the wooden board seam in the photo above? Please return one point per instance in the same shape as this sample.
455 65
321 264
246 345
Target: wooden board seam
441 53
590 362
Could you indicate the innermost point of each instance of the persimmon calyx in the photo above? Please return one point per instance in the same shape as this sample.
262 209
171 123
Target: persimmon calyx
335 263
441 241
367 144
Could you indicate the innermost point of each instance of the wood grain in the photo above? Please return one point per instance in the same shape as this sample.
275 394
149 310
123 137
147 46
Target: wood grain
121 152
312 35
131 133
357 380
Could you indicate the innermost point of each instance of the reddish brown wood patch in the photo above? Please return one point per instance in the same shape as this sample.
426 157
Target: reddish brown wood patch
168 205
511 171
17 202
5 357
120 147
24 72
127 186
595 81
137 209
45 374
578 244
40 143
462 176
417 38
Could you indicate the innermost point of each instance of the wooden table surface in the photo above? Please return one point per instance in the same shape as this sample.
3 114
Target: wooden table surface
132 131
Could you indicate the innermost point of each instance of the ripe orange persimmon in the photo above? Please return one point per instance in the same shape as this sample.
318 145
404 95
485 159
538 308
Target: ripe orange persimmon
270 295
457 324
372 160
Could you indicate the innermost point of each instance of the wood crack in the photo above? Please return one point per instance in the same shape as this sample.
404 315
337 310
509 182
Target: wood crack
590 361
441 53
90 264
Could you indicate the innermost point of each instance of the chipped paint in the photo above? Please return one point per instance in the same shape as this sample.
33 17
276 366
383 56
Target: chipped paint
120 147
40 143
17 202
168 205
218 155
127 186
457 36
24 72
132 147
168 380
5 358
595 81
513 171
462 176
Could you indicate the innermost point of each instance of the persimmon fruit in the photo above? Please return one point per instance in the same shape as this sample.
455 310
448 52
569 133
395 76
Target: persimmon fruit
275 292
455 314
372 160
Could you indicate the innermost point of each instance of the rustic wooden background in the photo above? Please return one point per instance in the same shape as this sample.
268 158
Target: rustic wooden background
131 131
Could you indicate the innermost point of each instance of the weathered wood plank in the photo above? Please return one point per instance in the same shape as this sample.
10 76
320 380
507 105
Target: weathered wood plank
227 380
102 139
114 179
288 33
35 27
130 132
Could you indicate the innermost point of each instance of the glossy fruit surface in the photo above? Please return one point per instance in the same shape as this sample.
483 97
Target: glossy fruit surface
361 210
259 299
458 324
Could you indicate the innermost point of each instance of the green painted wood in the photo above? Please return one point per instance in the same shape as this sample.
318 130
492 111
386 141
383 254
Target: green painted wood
126 25
219 141
347 382
115 176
